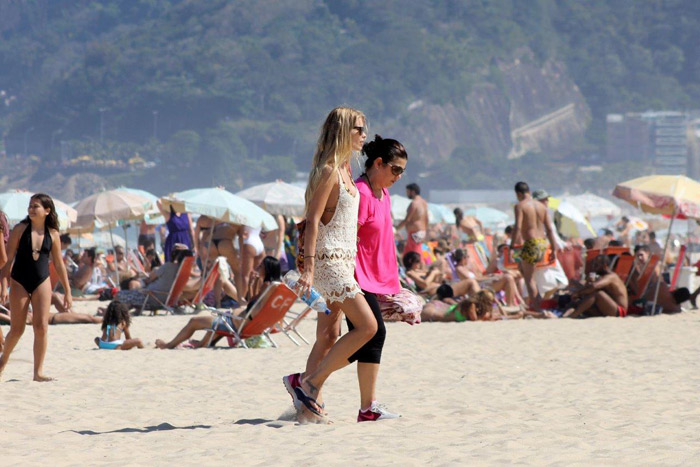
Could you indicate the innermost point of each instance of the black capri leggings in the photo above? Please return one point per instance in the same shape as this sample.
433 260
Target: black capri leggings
371 352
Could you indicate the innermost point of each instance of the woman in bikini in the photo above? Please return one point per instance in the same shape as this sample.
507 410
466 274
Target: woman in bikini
330 244
222 238
31 243
202 237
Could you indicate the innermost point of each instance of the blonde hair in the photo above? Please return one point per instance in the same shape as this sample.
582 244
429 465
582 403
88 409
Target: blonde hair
334 146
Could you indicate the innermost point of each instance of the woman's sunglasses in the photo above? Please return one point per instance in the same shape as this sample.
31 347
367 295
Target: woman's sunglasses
360 129
396 170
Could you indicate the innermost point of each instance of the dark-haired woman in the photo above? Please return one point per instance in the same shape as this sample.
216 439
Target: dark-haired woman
376 267
31 243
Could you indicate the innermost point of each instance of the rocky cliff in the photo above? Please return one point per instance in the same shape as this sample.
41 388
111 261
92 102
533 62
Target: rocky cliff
521 108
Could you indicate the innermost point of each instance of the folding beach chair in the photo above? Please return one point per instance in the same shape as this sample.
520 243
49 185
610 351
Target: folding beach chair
623 266
290 322
267 312
571 261
167 302
475 258
644 278
615 251
208 286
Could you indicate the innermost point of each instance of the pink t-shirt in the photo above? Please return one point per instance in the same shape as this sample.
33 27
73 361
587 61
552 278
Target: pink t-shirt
376 269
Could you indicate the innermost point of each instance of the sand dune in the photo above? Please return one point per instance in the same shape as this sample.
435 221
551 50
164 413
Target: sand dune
597 391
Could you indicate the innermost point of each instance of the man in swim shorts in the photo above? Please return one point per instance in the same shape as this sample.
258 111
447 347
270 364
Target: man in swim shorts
531 226
416 221
606 296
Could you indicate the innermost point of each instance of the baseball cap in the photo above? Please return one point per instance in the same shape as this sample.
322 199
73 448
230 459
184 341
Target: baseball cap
540 194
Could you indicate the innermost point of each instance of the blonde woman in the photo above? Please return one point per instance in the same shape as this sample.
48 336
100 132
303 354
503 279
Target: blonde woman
332 202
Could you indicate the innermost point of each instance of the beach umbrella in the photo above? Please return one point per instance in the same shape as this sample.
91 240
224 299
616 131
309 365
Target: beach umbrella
593 205
673 195
489 217
440 213
399 206
100 239
110 206
153 215
221 205
106 208
277 197
14 204
573 223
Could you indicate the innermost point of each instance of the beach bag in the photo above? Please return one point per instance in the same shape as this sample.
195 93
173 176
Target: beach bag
301 230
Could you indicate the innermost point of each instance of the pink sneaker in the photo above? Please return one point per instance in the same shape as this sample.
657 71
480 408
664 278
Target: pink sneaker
376 412
290 382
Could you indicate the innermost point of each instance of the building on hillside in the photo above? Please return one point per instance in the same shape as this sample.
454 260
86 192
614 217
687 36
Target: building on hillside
665 140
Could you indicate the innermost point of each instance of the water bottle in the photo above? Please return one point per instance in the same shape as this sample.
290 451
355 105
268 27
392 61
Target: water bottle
313 299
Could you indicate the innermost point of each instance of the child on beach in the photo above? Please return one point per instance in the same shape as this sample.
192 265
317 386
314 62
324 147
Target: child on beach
115 322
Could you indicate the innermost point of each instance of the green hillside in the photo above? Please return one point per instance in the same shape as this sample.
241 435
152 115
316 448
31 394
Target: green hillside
227 92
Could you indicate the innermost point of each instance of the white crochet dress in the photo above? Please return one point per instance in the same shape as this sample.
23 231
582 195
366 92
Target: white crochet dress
336 249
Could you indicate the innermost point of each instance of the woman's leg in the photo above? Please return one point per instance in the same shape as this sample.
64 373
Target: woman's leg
359 312
465 287
19 304
369 356
247 263
327 333
74 318
41 308
195 324
227 250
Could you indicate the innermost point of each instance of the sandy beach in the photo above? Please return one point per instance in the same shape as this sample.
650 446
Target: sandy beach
595 391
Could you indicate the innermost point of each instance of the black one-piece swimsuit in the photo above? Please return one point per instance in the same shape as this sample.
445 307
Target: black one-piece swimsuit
28 272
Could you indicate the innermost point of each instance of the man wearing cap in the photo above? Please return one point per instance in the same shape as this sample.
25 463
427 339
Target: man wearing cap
554 276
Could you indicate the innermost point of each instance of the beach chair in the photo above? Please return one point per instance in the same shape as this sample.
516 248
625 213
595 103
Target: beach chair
614 251
642 283
488 242
571 261
134 260
475 258
677 268
208 286
170 300
623 266
290 322
268 311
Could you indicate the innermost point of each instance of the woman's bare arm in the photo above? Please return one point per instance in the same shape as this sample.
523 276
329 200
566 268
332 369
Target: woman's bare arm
317 206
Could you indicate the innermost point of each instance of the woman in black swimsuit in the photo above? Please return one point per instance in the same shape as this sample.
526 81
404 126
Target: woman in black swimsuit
31 243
